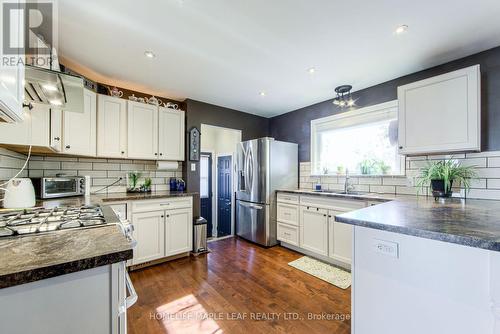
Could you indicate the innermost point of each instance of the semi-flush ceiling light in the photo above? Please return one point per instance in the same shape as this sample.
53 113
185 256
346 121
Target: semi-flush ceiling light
401 29
343 98
311 70
149 54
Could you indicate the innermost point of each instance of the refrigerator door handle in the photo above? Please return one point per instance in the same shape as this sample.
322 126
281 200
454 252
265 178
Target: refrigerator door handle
252 206
250 170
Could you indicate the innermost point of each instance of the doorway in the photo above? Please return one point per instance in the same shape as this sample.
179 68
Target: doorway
206 193
219 148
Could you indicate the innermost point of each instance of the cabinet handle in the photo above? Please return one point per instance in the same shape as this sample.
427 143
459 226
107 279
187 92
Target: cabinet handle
162 216
28 105
317 209
168 216
329 216
324 215
57 138
400 147
156 153
67 146
123 152
307 208
161 153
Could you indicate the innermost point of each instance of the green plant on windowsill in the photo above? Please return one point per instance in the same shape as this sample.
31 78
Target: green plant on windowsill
442 174
366 166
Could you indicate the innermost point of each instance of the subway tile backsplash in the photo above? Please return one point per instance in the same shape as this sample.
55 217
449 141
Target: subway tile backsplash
486 186
102 171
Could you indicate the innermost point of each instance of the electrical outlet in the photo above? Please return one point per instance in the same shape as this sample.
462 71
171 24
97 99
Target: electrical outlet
387 248
193 167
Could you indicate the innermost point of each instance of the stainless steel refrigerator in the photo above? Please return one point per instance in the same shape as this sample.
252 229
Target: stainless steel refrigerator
263 166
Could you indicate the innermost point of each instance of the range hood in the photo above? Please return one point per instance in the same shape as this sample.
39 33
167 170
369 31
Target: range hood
60 90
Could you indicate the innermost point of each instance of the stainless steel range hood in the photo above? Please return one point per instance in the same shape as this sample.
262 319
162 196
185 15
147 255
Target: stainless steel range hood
60 90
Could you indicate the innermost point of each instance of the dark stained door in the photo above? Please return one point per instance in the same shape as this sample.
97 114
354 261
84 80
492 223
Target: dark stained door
224 190
206 190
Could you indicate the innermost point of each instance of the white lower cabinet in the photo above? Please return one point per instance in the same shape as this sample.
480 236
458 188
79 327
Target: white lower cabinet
178 231
163 228
149 231
309 226
314 230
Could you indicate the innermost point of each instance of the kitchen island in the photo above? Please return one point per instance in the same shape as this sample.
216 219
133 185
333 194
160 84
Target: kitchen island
425 266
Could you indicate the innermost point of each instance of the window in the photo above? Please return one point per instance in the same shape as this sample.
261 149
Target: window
204 176
362 141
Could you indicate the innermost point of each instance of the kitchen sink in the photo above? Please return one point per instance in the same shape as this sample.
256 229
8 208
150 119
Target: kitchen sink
339 192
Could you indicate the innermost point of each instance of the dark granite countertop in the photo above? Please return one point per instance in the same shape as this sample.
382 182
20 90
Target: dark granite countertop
31 258
474 223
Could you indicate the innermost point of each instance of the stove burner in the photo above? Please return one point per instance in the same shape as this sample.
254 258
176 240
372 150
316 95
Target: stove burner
47 220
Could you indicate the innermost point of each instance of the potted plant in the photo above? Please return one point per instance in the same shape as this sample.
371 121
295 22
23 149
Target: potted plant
442 174
366 166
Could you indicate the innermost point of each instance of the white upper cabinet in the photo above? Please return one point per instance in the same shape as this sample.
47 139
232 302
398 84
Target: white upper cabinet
12 75
441 114
56 130
171 134
111 127
142 130
79 129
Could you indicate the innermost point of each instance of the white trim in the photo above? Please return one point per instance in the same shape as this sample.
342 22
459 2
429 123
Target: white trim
214 202
346 119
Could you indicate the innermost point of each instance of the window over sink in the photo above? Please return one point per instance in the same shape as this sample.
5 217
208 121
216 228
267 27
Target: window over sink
363 141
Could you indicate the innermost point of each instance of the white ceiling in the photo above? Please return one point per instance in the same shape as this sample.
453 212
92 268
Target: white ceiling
226 51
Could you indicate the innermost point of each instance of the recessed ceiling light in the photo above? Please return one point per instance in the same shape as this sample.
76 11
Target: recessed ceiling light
262 93
311 70
149 54
401 29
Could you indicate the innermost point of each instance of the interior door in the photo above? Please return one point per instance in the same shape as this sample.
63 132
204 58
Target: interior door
224 190
206 190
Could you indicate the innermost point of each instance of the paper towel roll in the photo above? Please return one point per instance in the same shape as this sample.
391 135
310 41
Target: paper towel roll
167 165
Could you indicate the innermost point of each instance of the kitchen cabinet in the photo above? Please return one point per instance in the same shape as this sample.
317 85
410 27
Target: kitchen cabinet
171 134
178 231
111 127
149 231
288 233
142 134
12 75
38 128
55 141
79 128
339 239
441 114
314 230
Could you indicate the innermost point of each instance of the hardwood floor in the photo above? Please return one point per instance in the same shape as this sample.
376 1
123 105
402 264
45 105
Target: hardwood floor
237 288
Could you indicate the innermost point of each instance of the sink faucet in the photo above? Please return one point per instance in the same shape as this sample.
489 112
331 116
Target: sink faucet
347 186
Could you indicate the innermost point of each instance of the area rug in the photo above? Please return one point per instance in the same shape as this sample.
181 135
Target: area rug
321 270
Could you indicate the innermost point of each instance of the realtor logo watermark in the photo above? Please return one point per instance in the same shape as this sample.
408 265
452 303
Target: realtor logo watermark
28 32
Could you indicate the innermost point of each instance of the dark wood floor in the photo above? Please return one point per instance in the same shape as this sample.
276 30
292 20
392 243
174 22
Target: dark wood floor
237 288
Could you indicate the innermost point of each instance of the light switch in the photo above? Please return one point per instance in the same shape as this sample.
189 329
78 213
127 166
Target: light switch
193 167
388 248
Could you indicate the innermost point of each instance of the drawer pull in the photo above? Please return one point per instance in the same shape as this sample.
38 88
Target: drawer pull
163 204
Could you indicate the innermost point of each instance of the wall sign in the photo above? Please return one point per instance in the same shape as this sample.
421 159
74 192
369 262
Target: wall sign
194 144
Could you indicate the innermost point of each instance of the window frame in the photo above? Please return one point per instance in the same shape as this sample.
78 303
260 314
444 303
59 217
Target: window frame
349 118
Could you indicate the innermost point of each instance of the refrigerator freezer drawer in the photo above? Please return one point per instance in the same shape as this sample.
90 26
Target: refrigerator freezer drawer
253 222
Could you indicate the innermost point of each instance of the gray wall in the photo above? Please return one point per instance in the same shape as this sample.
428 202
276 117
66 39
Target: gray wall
251 127
295 126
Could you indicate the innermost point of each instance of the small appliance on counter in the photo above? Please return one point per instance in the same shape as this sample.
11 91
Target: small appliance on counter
177 184
56 187
19 193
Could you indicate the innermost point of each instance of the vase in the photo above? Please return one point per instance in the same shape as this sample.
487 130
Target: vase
438 188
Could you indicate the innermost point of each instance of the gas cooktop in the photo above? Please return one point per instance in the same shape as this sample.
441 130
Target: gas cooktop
41 220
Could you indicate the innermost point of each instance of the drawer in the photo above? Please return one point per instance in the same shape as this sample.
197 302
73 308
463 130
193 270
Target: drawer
161 204
288 234
288 213
288 198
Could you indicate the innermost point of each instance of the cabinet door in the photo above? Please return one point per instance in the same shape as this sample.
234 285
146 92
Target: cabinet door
314 230
16 133
111 127
56 129
12 74
150 235
178 231
79 129
142 125
33 130
441 114
171 134
339 239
